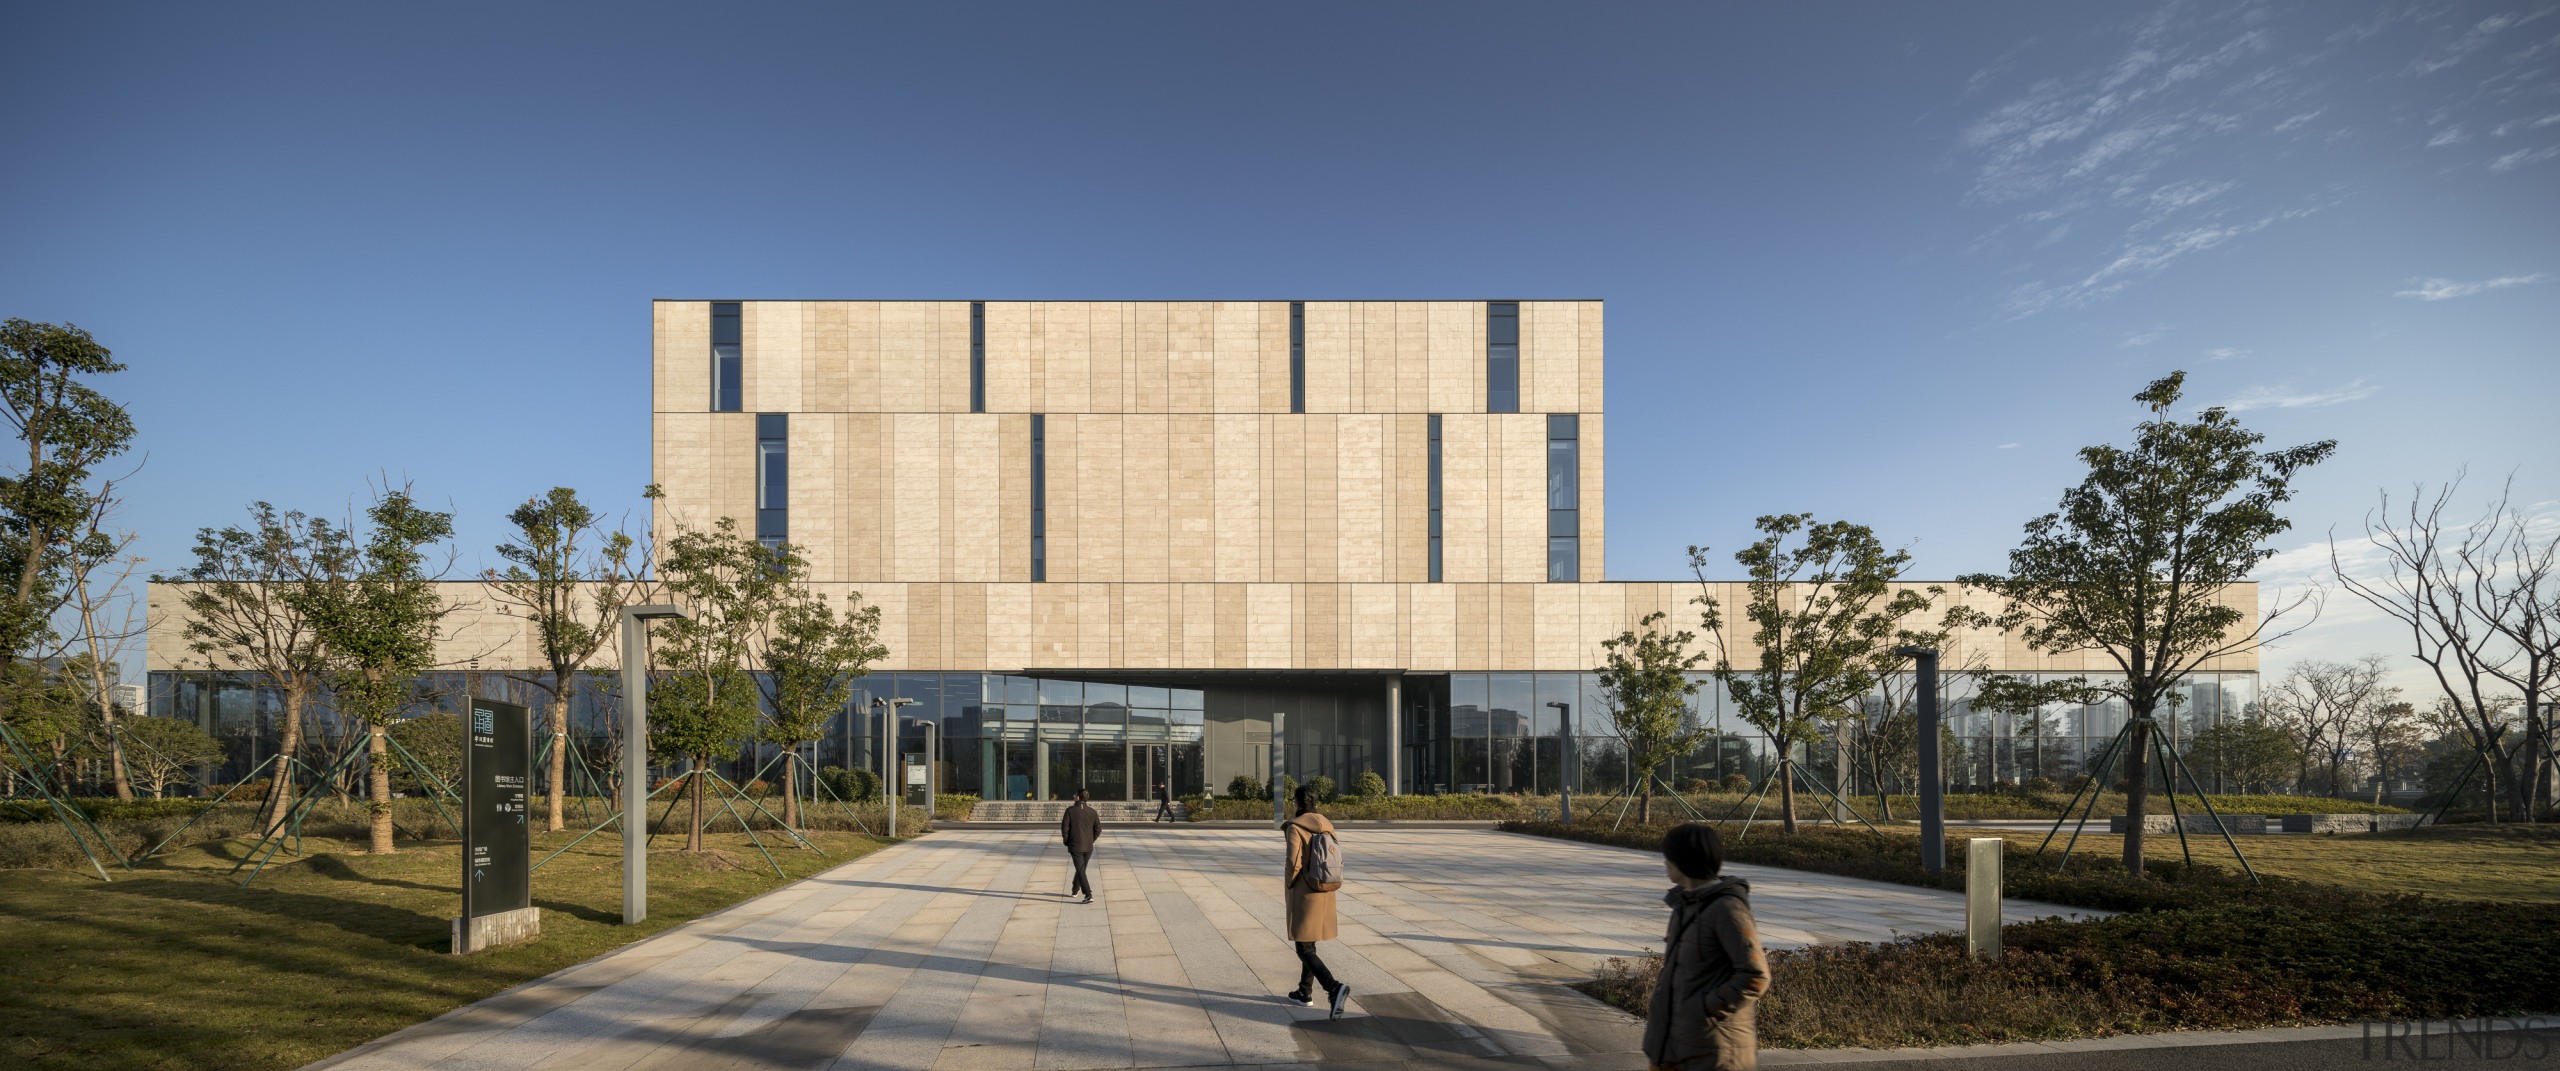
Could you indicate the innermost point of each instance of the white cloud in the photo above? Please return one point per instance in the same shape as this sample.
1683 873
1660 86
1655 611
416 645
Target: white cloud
2520 157
2009 446
2451 135
2143 338
2296 122
2225 353
2443 289
2285 397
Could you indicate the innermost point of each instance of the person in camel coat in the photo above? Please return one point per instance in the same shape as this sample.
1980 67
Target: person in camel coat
1310 911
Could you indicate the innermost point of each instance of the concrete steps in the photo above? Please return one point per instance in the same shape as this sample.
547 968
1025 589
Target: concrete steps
1052 812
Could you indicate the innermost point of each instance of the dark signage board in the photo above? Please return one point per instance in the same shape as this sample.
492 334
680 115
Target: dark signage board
497 838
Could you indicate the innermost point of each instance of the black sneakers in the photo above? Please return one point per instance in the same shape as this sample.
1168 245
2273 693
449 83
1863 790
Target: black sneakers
1298 998
1341 996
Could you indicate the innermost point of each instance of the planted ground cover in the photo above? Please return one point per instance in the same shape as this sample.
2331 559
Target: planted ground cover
2022 805
2197 948
34 838
177 967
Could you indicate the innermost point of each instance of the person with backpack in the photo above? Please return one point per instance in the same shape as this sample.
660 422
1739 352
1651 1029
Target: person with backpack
1713 973
1080 827
1309 878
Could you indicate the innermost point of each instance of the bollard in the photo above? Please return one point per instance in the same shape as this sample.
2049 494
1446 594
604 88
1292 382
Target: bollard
1982 897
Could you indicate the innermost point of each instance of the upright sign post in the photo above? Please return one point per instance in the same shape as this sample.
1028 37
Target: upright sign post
497 835
1933 800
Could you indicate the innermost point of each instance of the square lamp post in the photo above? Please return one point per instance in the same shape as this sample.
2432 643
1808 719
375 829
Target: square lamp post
891 792
635 755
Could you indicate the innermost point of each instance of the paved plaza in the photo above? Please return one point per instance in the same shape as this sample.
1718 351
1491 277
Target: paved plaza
959 950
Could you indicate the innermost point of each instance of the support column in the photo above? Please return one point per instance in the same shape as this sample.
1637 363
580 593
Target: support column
1040 769
1395 736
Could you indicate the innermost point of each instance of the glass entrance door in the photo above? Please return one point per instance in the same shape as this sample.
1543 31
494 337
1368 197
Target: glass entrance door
1151 770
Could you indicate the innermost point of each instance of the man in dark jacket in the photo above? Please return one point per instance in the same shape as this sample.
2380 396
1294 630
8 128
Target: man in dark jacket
1713 972
1080 828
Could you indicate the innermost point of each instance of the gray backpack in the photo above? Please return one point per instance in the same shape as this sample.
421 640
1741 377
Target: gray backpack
1323 870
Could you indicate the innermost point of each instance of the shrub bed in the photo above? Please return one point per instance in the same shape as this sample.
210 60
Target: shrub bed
2198 947
2221 967
1356 808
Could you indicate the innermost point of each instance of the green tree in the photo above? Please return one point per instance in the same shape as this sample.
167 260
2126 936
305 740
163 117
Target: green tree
164 749
1644 677
2250 752
811 659
569 578
435 740
2024 700
378 618
1822 605
243 613
707 702
2139 560
49 534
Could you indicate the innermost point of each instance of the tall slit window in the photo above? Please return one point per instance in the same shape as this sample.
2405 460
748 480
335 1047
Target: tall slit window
1039 497
1435 499
977 356
1564 497
1297 356
773 478
727 358
1502 357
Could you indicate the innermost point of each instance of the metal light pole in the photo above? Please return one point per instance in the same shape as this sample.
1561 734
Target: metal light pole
932 760
635 755
1564 777
1933 800
891 790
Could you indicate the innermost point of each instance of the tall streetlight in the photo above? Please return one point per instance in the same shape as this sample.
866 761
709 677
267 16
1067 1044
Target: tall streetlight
1564 777
890 789
1933 800
635 755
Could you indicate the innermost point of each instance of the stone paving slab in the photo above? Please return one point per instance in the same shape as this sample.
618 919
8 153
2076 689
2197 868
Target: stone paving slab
962 952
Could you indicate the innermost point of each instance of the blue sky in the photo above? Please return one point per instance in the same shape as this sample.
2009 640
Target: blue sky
1888 262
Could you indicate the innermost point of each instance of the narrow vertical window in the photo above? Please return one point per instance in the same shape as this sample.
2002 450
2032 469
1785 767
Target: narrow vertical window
978 357
1297 356
727 360
1502 357
773 478
1564 497
1039 497
1435 499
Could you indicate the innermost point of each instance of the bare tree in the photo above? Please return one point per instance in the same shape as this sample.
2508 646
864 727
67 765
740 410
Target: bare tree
2322 704
2453 588
2388 735
103 646
2516 591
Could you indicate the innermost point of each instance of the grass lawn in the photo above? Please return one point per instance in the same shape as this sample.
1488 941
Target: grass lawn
2457 862
174 966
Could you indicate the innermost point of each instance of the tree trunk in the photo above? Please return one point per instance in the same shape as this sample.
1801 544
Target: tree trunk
1644 804
693 788
1787 794
280 798
2137 790
791 788
378 785
559 751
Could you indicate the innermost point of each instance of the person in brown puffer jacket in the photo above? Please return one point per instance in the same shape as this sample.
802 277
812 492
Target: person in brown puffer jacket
1713 972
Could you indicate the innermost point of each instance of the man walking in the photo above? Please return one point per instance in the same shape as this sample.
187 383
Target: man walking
1164 803
1080 828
